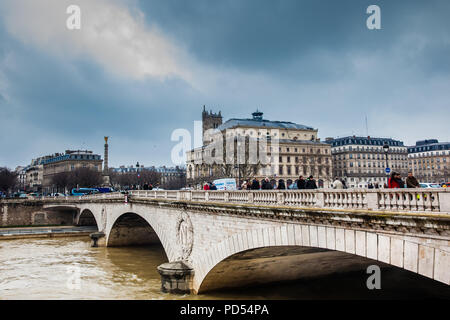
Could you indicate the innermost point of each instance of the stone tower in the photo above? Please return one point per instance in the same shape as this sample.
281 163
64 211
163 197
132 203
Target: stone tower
210 120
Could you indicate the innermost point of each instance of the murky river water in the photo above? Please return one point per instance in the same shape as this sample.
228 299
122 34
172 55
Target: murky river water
45 269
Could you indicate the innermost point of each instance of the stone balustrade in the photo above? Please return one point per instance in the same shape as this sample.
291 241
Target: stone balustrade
409 200
404 200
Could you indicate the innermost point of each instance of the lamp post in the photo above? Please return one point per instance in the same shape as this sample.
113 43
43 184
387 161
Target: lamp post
238 174
386 151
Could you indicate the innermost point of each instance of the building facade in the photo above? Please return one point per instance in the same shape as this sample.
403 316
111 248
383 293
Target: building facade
35 174
275 149
429 161
67 162
363 160
21 173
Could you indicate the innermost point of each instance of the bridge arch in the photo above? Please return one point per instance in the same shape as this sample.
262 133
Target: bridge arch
86 217
138 228
389 249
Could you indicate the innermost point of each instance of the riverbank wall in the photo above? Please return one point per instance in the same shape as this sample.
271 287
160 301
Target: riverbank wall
31 213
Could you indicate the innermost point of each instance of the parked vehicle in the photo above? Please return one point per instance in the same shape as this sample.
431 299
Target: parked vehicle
83 191
225 184
58 194
20 195
429 185
105 190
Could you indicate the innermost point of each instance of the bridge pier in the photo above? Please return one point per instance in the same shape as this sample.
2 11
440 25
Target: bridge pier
176 277
98 239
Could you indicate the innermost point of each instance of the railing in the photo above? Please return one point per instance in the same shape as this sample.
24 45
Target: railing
409 200
413 200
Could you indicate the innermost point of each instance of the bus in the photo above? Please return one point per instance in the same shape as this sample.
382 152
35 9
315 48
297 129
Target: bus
83 191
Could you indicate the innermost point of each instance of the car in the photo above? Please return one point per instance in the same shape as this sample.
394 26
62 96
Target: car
429 185
33 195
58 194
83 191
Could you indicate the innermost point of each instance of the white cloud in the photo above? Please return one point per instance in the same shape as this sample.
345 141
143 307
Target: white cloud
113 34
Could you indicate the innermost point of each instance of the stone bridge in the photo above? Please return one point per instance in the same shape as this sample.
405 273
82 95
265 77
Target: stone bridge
218 239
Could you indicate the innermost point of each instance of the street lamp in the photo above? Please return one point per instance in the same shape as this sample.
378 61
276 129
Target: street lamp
237 167
386 151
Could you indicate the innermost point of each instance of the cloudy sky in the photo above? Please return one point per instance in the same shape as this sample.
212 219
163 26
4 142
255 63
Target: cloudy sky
138 70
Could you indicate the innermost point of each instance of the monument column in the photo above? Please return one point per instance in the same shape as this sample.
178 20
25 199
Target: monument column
106 180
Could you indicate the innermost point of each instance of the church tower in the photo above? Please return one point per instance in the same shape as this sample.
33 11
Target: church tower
210 120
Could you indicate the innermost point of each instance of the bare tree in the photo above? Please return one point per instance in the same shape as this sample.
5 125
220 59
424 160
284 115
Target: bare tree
8 180
85 177
61 181
127 180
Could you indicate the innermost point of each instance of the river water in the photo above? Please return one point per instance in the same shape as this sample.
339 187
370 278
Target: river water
48 269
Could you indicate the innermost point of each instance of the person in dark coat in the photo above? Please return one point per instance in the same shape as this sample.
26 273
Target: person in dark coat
255 184
281 185
411 181
301 183
311 183
344 184
266 185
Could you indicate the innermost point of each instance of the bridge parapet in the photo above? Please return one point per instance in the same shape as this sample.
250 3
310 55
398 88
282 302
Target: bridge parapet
402 200
409 200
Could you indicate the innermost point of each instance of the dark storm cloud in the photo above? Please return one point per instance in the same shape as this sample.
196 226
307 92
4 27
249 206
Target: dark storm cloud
273 35
311 62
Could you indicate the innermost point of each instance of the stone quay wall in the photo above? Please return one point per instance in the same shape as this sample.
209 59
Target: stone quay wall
31 213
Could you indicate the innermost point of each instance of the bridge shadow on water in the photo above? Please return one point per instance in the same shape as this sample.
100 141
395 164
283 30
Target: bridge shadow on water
396 283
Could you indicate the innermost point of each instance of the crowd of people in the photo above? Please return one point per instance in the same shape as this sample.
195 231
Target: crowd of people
394 181
266 184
